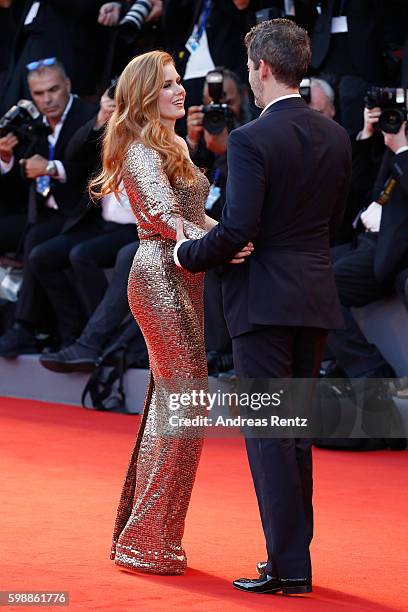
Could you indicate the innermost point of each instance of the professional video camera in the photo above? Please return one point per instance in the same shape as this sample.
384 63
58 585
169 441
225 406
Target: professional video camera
217 116
393 104
23 120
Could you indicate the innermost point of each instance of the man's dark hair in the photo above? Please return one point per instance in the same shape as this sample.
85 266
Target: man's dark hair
284 46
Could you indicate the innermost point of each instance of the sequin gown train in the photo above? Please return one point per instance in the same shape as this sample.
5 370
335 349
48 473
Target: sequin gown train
167 303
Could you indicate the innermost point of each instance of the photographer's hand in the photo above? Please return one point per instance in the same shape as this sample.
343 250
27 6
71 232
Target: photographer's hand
156 12
371 116
217 143
396 141
109 14
195 128
35 166
7 144
105 111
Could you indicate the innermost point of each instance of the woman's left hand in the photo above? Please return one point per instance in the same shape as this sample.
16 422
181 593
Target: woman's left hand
241 256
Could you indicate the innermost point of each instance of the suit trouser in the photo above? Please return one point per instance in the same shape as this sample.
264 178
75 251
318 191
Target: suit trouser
11 231
114 305
282 468
217 337
356 286
33 305
50 260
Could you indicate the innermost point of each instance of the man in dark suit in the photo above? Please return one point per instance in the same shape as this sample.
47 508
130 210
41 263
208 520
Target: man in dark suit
288 177
56 188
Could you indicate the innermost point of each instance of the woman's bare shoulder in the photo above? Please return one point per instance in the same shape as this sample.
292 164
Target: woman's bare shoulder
183 143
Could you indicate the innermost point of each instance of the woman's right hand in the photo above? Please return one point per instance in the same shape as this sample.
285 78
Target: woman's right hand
241 256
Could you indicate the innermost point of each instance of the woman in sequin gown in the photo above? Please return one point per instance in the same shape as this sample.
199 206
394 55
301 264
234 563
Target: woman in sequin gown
167 302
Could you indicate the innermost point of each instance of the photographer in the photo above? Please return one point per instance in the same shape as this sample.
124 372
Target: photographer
225 106
56 187
366 272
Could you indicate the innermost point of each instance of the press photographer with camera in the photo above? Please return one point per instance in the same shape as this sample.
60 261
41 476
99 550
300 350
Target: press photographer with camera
225 106
366 271
56 186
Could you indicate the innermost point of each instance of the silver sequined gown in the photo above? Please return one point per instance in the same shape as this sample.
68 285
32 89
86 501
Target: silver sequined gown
167 303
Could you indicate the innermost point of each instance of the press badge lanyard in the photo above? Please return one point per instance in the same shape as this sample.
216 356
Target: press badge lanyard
215 191
194 40
43 183
339 24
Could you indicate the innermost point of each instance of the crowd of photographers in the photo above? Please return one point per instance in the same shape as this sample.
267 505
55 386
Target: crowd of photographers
58 59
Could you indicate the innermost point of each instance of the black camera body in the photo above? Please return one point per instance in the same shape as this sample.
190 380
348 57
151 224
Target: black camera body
23 120
217 116
393 104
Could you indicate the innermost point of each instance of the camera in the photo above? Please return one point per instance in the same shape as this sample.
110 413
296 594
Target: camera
217 116
22 120
393 104
304 89
268 13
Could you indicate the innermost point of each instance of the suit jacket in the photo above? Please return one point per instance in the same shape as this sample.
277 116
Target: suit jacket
226 28
392 244
288 179
68 195
365 36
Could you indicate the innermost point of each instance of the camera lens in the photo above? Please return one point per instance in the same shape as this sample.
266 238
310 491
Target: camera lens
390 121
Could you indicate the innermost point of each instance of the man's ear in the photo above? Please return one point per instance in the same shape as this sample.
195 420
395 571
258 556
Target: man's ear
264 70
69 87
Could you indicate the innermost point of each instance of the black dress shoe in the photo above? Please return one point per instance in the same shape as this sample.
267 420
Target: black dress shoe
269 584
17 341
73 358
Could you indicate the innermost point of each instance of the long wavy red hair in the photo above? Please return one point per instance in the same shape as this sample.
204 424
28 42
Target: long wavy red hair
136 118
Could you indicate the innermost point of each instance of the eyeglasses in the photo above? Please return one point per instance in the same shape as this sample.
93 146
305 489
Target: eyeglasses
48 61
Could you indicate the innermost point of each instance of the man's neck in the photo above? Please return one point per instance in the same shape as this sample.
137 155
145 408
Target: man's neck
279 93
54 121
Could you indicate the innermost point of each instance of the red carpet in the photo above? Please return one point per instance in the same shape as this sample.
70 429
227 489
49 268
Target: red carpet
62 469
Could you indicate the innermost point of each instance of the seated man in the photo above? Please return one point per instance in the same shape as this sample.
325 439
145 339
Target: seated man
92 240
55 189
366 272
82 354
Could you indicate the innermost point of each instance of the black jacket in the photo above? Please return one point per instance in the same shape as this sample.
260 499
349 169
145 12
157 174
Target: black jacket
288 178
68 195
226 28
365 36
392 244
